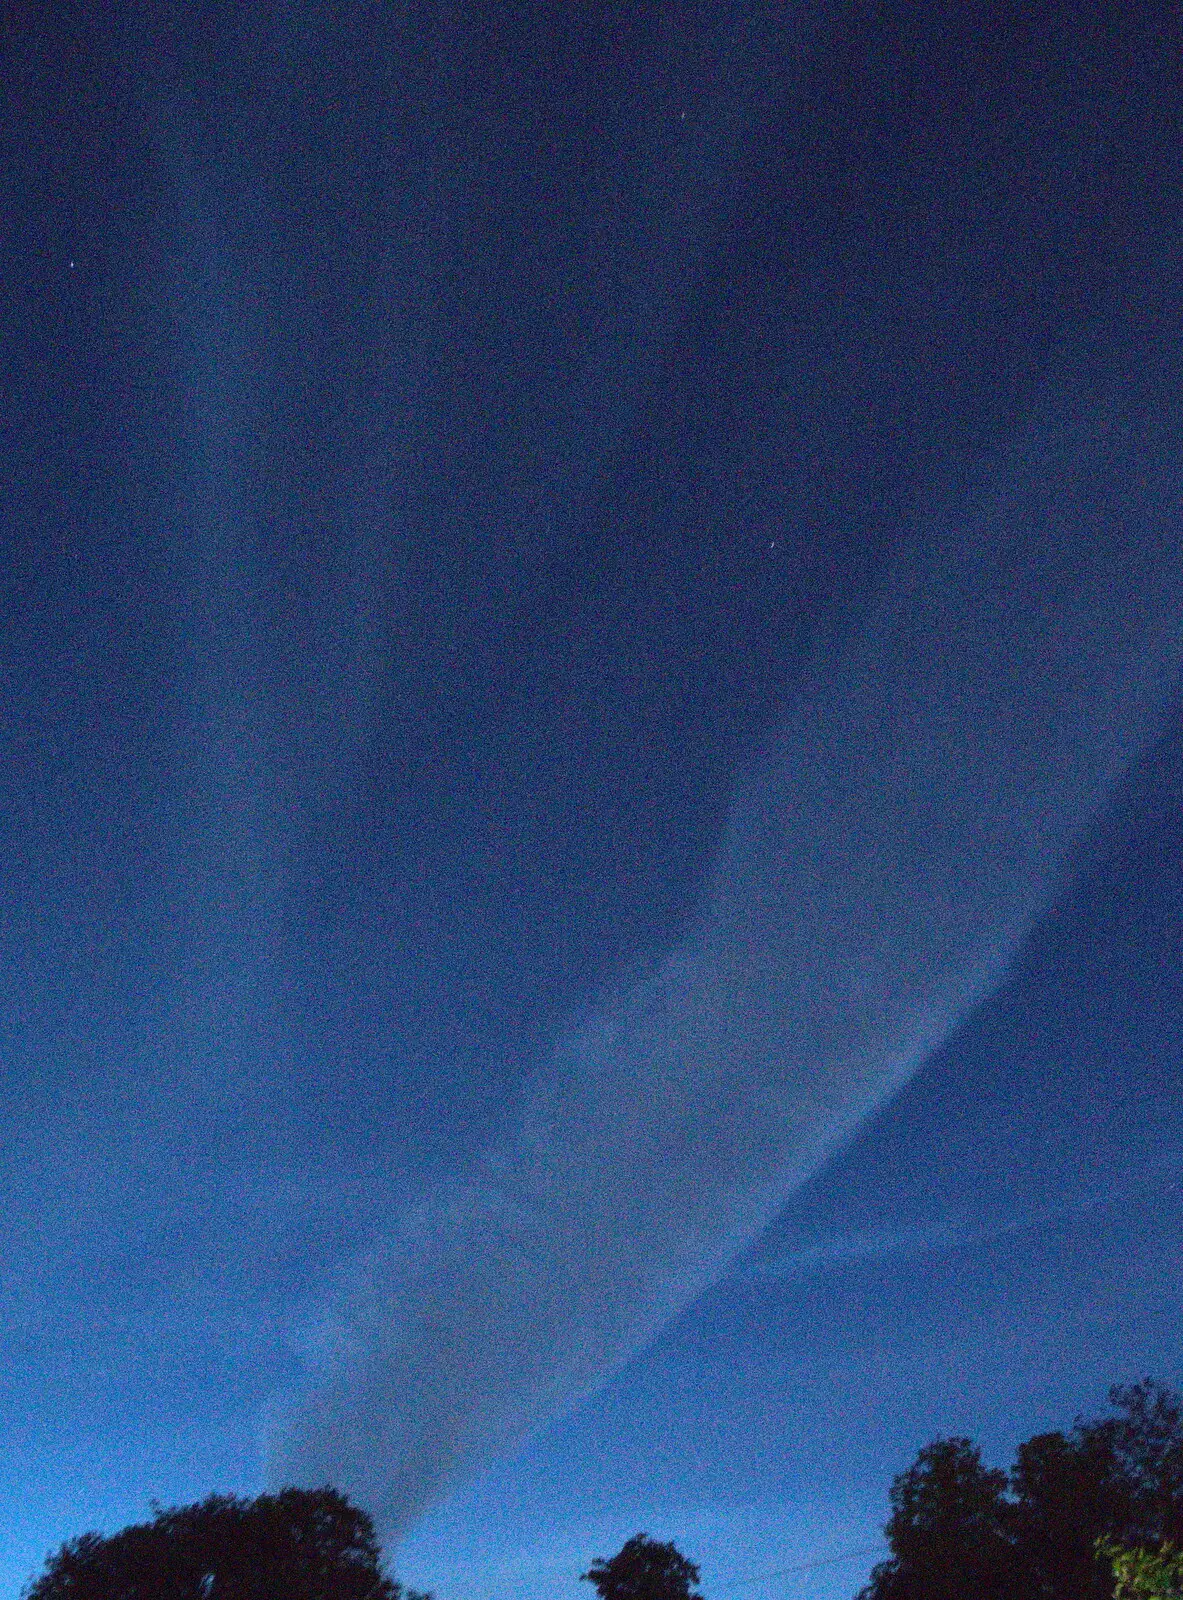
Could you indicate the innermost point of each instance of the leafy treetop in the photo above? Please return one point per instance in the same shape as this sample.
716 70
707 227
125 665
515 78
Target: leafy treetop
1144 1574
299 1544
644 1569
958 1527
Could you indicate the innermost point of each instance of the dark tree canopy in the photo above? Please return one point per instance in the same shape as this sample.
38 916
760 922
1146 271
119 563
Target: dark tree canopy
296 1545
644 1569
948 1521
958 1528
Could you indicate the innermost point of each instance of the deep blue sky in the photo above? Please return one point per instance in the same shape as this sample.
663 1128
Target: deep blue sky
435 440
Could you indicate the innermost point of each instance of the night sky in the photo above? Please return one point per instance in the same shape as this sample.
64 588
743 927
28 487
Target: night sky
591 902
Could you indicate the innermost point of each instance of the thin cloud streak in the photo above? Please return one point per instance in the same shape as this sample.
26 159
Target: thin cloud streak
941 1235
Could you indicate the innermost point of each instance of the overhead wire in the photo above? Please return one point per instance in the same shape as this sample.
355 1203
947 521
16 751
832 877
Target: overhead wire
803 1566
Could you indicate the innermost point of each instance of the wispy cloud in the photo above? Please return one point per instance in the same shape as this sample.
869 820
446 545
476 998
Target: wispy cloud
882 862
869 1244
941 1235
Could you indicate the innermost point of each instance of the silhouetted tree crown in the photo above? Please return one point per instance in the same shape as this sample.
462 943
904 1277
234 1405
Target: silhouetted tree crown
947 1520
299 1544
644 1569
958 1528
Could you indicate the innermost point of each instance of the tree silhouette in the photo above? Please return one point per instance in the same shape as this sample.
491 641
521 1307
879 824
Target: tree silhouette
958 1528
296 1545
948 1531
644 1569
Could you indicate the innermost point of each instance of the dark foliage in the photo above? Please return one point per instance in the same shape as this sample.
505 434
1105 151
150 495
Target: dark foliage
958 1528
296 1545
644 1569
948 1522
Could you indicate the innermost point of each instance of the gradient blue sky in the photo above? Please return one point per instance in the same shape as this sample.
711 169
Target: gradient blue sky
435 438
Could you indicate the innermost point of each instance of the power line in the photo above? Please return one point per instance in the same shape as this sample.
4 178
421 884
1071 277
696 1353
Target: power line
805 1566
